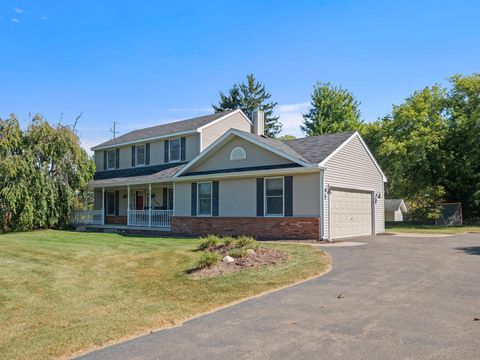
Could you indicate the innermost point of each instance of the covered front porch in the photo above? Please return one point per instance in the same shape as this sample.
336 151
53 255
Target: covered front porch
136 206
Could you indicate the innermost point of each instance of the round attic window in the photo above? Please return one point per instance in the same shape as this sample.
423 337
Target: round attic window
238 154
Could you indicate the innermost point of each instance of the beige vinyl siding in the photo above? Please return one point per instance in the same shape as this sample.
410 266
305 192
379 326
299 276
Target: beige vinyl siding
213 132
256 156
122 202
353 168
98 157
157 152
97 200
183 199
237 197
306 195
125 157
192 146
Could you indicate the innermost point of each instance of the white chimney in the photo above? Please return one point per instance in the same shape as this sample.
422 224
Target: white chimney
258 117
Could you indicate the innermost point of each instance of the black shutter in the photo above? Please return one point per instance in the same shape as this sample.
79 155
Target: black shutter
133 156
288 195
215 201
117 158
147 154
105 204
117 202
260 184
166 147
194 199
105 160
165 195
182 148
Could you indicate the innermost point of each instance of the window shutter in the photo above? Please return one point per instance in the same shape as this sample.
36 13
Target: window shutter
215 201
182 148
105 205
105 160
165 195
288 181
117 202
166 148
147 154
133 155
194 199
260 184
117 158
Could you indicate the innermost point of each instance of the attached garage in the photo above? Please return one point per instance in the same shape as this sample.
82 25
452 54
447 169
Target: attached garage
351 213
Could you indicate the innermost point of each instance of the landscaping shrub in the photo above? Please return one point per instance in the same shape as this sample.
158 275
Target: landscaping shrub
237 253
207 259
246 242
208 241
228 240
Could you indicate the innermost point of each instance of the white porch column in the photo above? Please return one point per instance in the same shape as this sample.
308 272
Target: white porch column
128 205
103 206
149 205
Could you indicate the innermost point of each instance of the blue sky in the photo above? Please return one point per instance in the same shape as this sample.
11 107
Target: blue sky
148 62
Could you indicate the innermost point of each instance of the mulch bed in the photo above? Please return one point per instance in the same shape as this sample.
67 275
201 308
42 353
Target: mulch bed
261 257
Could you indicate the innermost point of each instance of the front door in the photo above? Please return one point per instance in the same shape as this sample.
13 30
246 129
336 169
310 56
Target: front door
139 201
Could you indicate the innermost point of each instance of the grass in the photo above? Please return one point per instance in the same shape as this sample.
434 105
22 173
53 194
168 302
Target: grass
429 229
63 292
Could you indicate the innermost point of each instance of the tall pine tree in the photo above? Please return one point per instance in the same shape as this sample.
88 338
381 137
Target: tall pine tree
248 97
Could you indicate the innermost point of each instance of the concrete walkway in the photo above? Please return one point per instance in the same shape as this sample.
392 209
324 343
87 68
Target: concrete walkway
401 298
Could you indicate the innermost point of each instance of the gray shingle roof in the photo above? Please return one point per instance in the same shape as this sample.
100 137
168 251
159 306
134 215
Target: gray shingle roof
162 130
316 148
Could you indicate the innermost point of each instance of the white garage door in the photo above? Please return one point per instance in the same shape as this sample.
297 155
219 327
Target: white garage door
351 213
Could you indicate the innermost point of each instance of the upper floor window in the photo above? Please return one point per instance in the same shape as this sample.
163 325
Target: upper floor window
140 154
174 150
274 196
111 159
238 153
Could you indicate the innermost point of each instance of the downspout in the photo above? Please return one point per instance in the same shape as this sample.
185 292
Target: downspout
322 204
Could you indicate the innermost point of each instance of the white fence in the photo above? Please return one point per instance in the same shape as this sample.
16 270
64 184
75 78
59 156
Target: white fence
86 217
152 218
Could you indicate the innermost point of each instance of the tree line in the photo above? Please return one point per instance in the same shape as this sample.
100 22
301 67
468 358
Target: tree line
428 146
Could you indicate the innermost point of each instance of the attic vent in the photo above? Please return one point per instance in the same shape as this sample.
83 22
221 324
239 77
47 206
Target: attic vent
238 154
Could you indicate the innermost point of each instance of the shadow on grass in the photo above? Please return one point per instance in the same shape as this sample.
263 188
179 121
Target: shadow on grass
471 250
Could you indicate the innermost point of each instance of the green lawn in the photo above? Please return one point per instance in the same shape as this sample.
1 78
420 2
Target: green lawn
65 292
429 229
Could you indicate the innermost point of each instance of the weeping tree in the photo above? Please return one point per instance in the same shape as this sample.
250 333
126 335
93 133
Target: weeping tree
41 170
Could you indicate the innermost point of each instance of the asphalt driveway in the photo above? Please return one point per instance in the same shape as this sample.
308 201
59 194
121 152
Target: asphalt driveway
403 298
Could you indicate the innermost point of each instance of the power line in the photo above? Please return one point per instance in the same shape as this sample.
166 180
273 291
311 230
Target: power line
113 130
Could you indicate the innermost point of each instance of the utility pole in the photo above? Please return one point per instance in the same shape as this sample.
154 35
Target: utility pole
113 129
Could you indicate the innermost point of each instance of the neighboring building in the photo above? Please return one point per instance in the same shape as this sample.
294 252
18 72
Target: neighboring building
394 209
218 174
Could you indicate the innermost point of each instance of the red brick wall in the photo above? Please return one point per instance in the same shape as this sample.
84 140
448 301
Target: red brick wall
117 220
265 228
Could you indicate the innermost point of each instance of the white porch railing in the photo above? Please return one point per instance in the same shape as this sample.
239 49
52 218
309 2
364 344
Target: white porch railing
86 217
150 218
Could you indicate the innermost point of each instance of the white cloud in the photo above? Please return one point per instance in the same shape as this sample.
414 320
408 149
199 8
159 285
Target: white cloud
15 20
291 117
18 10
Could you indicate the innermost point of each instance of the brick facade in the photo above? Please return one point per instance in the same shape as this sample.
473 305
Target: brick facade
117 220
266 228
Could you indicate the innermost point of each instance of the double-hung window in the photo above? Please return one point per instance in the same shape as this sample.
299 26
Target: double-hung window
274 196
204 205
111 159
174 149
140 155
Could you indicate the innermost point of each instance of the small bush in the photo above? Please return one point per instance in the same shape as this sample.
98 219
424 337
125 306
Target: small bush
207 241
207 259
228 240
237 253
246 242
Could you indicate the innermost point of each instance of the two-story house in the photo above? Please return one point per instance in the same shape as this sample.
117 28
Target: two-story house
219 174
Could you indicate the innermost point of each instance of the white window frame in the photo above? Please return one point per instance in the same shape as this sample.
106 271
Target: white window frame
211 198
114 205
179 150
265 196
144 155
239 149
108 159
